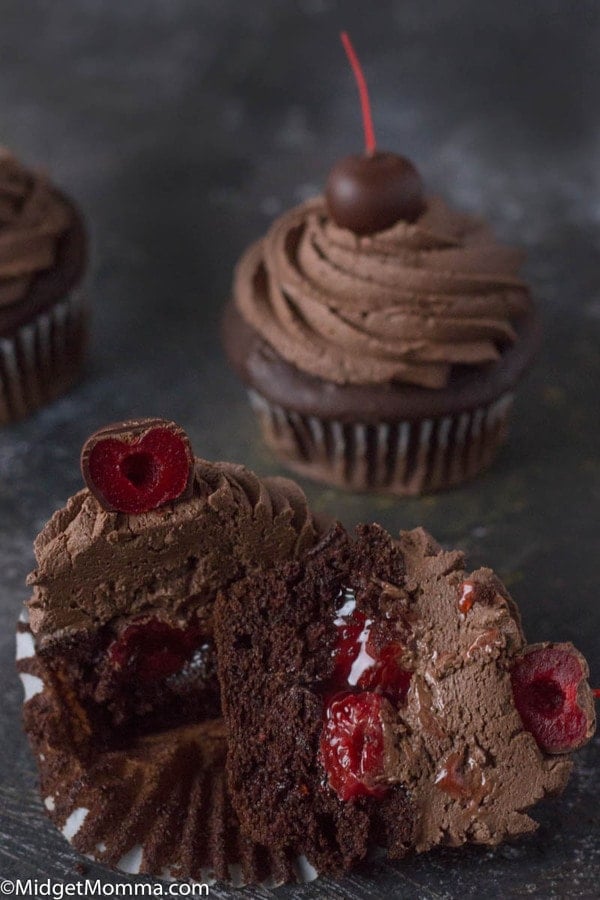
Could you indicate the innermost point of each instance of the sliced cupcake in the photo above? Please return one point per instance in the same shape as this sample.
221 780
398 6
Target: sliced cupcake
124 712
376 694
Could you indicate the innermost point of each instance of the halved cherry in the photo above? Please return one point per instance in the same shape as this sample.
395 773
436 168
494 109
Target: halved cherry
553 698
352 745
133 467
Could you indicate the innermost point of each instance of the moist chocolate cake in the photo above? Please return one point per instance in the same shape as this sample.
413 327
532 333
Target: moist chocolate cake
377 694
124 714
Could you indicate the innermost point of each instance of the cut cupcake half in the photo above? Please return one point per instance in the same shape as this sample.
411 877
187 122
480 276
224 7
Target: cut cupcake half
377 694
117 655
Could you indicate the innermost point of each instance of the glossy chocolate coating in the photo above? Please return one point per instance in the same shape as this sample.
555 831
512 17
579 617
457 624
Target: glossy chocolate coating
371 193
131 432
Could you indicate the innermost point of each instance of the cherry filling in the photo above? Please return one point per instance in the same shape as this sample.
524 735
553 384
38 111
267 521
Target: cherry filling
139 475
352 745
352 634
152 650
467 596
367 673
365 660
387 675
545 685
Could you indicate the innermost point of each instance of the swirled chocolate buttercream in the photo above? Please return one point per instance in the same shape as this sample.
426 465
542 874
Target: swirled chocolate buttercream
33 217
402 305
94 565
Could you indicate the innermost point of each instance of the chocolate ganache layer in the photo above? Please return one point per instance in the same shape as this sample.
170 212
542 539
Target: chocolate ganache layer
405 305
42 244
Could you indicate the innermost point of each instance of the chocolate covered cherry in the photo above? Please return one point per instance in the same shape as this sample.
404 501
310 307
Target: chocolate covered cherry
371 193
133 467
553 698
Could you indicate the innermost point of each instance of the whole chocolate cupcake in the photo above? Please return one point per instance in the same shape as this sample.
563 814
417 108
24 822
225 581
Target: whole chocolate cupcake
42 259
380 333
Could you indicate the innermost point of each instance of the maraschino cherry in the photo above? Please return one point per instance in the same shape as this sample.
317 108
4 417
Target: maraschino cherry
552 697
367 678
149 650
371 192
137 466
352 745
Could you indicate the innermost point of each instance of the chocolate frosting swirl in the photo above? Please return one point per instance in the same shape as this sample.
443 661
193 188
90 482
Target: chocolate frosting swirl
406 304
93 565
33 217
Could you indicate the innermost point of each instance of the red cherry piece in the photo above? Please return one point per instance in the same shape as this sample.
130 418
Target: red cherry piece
452 778
361 664
351 746
141 472
467 597
347 647
545 685
152 650
387 675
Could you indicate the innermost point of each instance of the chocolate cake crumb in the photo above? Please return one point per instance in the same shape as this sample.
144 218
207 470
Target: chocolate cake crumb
275 637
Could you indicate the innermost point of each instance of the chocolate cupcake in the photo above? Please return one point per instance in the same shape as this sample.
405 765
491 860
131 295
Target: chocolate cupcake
380 334
376 694
117 657
42 319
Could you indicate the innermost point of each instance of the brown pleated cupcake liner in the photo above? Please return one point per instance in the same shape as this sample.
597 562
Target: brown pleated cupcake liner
401 458
158 806
42 358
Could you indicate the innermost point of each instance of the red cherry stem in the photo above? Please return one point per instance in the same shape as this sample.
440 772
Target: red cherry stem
363 91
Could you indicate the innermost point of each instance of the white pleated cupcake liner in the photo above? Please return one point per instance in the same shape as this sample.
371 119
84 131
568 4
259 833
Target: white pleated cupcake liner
403 458
137 834
41 359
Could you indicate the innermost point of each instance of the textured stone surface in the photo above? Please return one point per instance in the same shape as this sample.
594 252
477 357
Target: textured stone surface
182 128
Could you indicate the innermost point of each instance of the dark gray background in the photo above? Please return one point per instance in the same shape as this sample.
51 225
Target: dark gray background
182 127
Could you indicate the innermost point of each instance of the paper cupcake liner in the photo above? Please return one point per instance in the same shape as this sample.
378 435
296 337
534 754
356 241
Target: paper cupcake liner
158 806
41 359
403 458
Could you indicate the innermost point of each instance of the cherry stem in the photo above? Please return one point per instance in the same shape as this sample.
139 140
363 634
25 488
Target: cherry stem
363 91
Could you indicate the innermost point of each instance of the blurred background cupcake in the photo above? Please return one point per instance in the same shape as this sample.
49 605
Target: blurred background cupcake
380 334
42 260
